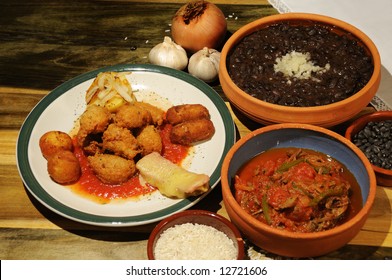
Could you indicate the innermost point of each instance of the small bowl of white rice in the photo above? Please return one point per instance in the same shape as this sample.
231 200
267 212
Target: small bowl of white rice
195 235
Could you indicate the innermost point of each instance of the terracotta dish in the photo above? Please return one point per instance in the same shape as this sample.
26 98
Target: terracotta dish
324 115
384 176
283 242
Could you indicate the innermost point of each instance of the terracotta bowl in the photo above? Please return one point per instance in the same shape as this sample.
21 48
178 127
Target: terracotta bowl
325 115
384 176
196 217
294 244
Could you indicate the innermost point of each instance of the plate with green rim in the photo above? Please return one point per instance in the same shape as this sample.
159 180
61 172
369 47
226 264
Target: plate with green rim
60 109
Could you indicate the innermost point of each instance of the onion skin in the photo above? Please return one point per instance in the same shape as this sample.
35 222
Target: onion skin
199 24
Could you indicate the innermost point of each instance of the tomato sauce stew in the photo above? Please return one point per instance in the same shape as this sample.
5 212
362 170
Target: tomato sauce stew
298 190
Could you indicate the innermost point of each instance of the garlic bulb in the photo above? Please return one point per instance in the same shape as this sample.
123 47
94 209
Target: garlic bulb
204 64
168 54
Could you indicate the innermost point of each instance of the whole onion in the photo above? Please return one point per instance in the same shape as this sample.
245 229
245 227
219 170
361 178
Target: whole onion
199 24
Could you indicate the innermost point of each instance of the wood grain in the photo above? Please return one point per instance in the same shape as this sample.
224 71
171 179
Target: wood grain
80 36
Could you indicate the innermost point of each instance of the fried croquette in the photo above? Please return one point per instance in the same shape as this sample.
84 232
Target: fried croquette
192 131
94 119
53 141
64 167
120 141
157 114
149 140
132 116
186 112
112 169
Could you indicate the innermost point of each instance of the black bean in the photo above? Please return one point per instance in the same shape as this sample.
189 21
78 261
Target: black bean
367 132
351 67
375 141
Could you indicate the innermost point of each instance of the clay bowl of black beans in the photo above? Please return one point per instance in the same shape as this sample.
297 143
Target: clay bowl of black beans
299 68
372 134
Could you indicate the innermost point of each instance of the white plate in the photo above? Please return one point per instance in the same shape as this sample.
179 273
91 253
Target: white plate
61 107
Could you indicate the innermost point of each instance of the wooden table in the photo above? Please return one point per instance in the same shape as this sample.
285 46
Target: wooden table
45 43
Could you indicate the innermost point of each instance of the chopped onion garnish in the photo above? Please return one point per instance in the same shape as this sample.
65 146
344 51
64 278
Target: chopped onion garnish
108 96
90 93
123 92
108 85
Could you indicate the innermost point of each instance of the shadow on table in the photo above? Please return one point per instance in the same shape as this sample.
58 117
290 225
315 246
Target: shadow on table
118 234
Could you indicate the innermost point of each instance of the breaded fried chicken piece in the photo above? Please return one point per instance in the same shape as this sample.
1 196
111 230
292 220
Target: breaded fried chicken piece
132 116
157 114
94 120
112 169
149 140
120 141
92 147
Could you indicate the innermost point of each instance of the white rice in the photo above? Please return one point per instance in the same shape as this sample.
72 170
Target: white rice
194 242
298 65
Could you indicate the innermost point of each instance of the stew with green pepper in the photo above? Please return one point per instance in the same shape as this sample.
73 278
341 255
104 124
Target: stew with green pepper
298 190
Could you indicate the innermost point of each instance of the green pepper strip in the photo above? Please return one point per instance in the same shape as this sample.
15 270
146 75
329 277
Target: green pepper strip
323 169
287 165
302 190
266 210
323 195
288 203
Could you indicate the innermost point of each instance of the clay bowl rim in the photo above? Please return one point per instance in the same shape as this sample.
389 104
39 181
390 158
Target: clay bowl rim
195 212
228 195
360 123
257 24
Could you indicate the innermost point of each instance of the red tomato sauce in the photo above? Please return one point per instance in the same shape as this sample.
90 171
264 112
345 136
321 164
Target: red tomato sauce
91 187
173 152
297 190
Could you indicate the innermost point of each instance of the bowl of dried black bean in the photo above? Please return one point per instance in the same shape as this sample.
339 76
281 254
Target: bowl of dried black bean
299 68
372 134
